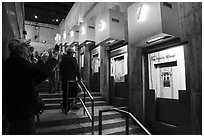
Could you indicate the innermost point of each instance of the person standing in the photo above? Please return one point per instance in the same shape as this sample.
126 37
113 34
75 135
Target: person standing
19 94
69 71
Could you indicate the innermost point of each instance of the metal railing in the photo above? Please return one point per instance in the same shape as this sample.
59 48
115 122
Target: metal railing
127 115
83 102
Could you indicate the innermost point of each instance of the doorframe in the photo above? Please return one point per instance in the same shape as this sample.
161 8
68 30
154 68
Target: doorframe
91 47
159 47
109 49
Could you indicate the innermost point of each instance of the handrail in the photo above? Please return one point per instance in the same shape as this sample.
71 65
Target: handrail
91 117
128 114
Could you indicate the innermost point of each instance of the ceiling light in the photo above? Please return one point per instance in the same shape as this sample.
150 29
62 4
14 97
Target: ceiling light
36 16
57 20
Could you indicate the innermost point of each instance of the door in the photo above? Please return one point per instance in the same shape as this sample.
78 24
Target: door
166 95
118 77
95 69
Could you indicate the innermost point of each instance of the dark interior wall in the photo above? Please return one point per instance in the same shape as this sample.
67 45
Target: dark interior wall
191 30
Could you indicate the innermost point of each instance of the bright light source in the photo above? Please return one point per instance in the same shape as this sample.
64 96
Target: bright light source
139 11
157 39
64 35
154 39
72 33
101 25
110 41
56 38
36 16
57 20
59 37
142 12
88 42
83 30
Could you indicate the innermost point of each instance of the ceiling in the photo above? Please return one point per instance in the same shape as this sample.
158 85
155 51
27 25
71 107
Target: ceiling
47 12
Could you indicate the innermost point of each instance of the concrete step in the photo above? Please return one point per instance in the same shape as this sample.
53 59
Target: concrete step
85 128
88 104
55 117
59 99
58 95
54 122
119 130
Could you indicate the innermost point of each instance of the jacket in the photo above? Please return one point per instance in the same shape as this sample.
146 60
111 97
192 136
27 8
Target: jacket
69 68
20 79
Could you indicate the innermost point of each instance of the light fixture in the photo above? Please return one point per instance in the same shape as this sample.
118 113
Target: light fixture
157 39
72 33
142 12
36 16
139 11
64 35
56 38
88 42
101 25
59 37
57 20
82 30
110 41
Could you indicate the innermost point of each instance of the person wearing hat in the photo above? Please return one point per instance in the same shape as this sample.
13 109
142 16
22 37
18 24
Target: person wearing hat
69 71
19 95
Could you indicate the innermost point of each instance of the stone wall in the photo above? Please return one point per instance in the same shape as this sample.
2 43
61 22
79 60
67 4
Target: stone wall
190 14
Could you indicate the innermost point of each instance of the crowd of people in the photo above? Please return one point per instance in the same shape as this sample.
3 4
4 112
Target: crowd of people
23 71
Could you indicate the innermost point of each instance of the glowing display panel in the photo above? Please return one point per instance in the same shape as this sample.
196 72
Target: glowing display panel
95 57
119 64
167 72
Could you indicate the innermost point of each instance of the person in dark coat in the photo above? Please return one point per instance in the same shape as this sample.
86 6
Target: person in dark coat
69 71
19 94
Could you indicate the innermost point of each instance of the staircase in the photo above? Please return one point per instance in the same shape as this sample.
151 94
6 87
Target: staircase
54 122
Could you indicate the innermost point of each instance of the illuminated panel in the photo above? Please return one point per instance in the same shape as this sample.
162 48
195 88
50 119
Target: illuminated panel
167 72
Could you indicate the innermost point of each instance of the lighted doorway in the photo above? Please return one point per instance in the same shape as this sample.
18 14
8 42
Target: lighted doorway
166 91
119 76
